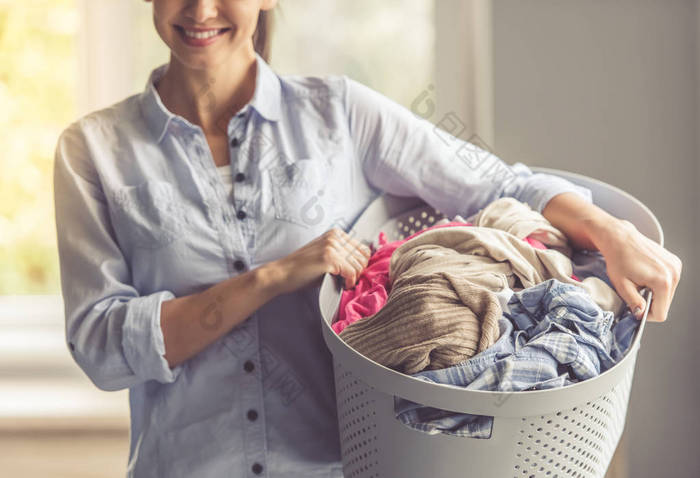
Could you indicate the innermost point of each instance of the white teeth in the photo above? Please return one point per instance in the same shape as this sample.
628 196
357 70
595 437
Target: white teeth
201 35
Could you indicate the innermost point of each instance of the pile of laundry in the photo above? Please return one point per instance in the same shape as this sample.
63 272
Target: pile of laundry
497 302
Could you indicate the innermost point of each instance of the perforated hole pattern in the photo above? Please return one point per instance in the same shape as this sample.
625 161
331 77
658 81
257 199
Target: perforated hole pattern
413 221
578 442
358 426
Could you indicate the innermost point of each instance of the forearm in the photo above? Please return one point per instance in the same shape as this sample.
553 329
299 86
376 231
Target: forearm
190 323
585 224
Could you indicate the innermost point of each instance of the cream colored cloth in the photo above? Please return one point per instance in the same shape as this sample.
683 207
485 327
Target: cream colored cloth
442 307
510 215
485 250
518 218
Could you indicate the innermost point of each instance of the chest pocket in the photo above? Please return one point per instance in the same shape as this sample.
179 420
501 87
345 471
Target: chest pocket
301 192
147 215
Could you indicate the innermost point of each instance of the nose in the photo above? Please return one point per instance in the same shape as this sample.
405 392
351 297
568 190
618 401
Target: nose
202 10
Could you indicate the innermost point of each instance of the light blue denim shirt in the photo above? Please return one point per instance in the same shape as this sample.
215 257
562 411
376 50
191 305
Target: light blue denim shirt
143 216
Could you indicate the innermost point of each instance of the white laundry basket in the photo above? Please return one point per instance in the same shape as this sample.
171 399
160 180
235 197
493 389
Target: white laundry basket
566 432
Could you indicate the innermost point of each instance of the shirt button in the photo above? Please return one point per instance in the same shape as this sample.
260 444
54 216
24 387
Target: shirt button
252 415
239 265
240 214
235 142
248 366
240 177
257 468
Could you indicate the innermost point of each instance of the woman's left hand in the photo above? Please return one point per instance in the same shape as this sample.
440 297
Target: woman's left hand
634 261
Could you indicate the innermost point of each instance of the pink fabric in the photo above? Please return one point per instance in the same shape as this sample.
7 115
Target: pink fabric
370 291
535 243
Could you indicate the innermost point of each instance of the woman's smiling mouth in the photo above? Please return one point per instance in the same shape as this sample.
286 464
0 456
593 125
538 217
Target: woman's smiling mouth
200 37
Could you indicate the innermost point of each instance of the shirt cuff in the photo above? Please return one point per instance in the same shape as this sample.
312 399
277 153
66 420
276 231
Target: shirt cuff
142 338
545 186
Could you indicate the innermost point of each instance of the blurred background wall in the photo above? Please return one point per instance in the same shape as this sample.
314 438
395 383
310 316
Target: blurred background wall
607 88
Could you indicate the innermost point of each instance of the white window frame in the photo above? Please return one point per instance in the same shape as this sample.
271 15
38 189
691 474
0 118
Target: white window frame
105 68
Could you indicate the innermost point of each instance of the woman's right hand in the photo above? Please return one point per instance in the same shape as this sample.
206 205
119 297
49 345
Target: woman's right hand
334 251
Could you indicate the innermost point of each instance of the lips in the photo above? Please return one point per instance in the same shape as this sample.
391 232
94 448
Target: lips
200 36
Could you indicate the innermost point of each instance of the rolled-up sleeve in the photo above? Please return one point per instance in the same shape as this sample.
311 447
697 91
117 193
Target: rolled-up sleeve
404 154
113 333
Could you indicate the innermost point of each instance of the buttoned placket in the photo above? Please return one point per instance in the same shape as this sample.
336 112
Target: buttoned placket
243 194
249 407
237 216
225 216
231 219
251 397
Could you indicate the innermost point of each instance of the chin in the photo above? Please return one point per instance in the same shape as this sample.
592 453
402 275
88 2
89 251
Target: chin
207 57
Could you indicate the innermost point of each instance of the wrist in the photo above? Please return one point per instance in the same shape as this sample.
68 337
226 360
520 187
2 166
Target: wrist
601 229
270 277
586 225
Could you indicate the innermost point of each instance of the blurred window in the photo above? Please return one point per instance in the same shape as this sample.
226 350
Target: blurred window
61 59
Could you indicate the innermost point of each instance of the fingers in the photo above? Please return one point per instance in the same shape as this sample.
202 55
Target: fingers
673 267
343 269
633 261
661 286
663 281
351 256
356 250
630 294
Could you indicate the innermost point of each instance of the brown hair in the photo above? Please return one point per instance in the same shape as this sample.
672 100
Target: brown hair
263 34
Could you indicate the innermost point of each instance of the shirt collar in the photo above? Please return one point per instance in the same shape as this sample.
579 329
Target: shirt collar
266 99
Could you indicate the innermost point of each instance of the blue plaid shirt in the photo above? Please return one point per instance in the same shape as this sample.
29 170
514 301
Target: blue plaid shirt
143 216
552 335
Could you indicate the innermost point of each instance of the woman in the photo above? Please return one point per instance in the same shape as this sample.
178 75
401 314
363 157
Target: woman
199 294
